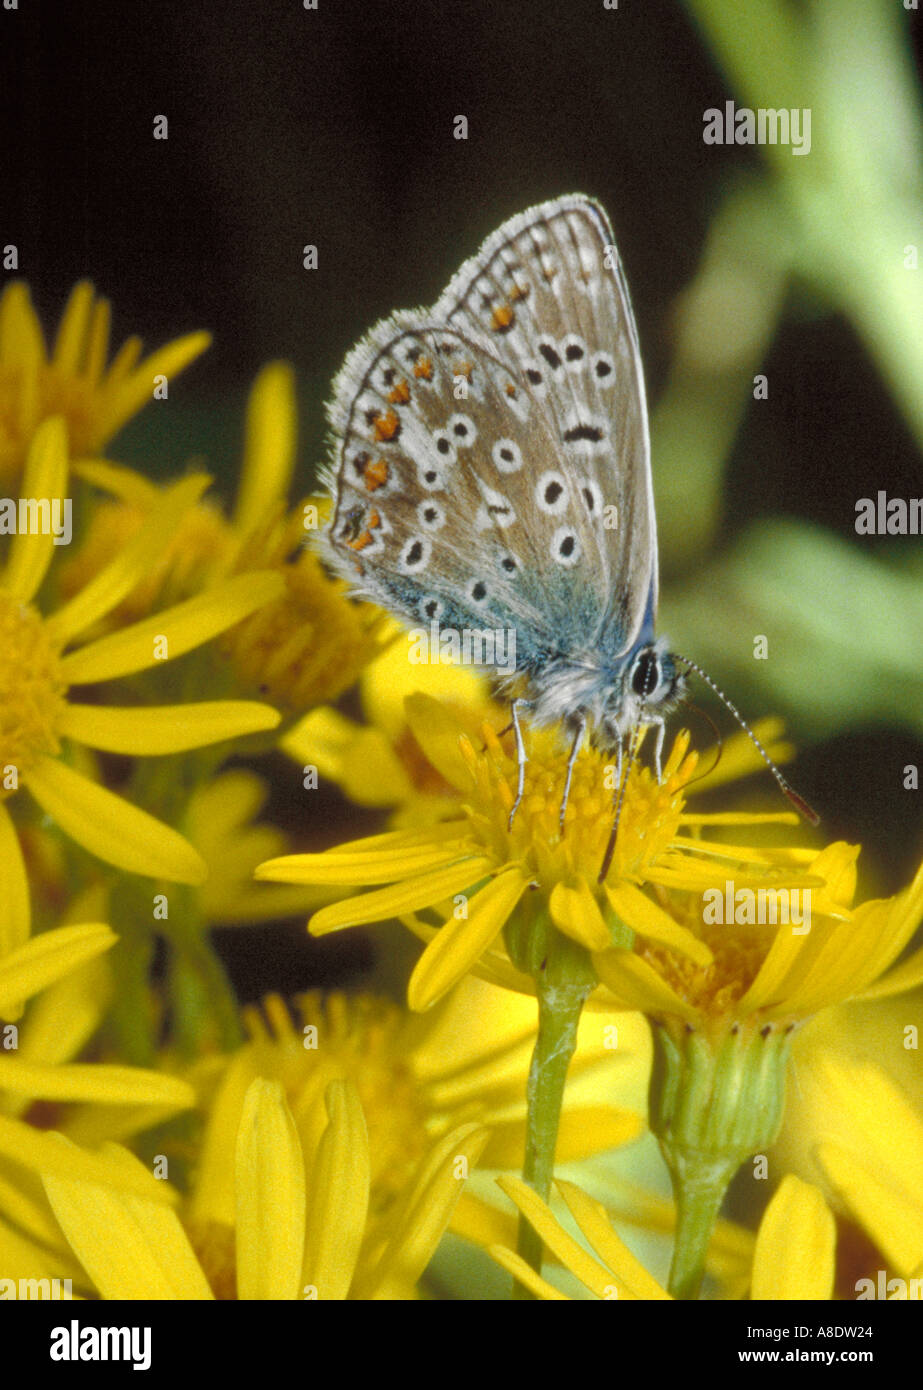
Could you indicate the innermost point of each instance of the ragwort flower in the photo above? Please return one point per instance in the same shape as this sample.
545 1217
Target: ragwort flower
44 660
73 381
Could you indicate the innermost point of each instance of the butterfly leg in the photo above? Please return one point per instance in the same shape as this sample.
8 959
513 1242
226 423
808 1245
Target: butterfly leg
574 750
520 755
658 747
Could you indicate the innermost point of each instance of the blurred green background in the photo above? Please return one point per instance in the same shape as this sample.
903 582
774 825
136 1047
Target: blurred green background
334 127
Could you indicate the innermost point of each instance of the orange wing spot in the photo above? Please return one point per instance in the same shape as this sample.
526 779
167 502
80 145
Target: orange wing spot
366 538
502 318
386 426
424 368
400 395
375 474
518 292
464 369
510 389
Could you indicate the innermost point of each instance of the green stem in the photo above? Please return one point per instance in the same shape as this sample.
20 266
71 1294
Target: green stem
559 1011
564 975
698 1201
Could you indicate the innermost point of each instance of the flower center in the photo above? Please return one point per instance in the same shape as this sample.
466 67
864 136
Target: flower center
648 816
32 691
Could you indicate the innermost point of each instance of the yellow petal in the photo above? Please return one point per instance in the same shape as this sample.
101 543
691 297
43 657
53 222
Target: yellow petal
42 1151
97 347
138 389
269 448
124 483
575 911
185 626
131 1248
15 919
386 903
355 868
599 1280
880 1175
636 985
648 919
583 1131
341 1179
111 828
524 1274
36 964
459 942
437 732
156 729
593 1222
424 1213
95 1081
44 480
73 330
795 1255
131 564
269 1171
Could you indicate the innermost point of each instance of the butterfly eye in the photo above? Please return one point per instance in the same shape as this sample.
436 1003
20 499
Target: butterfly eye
645 677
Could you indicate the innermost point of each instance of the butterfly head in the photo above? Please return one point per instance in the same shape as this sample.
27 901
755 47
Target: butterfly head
649 686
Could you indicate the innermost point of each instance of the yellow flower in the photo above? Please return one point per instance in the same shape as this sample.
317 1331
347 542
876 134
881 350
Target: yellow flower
73 381
379 763
42 663
771 975
56 971
320 1172
410 1105
219 821
311 643
793 1257
479 856
312 640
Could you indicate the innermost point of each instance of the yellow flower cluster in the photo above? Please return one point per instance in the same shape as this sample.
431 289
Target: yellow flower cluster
160 1140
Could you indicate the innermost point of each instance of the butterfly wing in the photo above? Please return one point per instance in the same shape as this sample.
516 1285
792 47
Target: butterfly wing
547 292
491 464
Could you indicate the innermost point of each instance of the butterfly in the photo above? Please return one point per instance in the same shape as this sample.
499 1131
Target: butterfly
491 471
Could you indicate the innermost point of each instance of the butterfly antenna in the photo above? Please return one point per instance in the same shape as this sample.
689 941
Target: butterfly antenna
799 803
613 833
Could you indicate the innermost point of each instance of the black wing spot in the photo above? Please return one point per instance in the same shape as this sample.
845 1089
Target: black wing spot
533 376
590 432
550 355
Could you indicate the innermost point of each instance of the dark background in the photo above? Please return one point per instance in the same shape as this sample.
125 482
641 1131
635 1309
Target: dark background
335 127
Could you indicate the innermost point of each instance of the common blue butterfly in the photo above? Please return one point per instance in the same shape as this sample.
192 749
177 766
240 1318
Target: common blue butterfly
491 470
